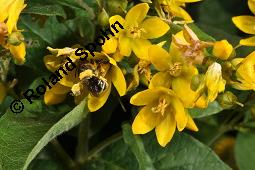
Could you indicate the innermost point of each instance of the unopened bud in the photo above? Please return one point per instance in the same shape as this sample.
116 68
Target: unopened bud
196 81
15 38
223 49
116 6
103 18
228 100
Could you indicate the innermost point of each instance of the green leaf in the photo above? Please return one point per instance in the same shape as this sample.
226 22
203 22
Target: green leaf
183 152
244 150
46 10
51 32
201 34
137 147
213 108
17 150
78 4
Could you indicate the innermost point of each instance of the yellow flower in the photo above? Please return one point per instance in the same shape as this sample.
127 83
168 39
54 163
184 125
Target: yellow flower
96 77
174 73
53 62
222 49
9 14
246 24
141 71
161 110
174 8
212 84
186 44
111 47
245 72
137 30
2 92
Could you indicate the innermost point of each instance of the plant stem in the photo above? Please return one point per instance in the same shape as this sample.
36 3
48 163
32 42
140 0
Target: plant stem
82 146
100 147
69 163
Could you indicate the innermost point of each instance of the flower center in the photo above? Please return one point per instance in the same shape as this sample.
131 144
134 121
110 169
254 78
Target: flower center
175 69
144 68
135 32
161 107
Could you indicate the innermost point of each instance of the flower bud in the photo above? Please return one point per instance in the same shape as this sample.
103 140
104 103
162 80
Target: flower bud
103 18
195 81
228 100
116 6
15 38
222 49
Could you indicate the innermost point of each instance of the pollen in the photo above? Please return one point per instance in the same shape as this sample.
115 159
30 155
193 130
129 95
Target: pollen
175 69
161 108
135 32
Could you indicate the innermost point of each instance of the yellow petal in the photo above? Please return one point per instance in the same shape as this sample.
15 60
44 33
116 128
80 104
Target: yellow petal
117 56
124 45
159 28
159 57
165 130
188 1
181 116
180 12
251 4
60 89
140 48
14 13
116 18
95 103
248 41
235 62
4 9
2 92
246 69
118 80
52 62
222 49
182 89
51 98
69 79
202 102
110 45
144 121
245 23
137 14
191 124
243 86
161 79
18 52
144 97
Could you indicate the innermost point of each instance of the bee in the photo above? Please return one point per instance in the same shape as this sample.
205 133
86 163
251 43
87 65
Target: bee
95 84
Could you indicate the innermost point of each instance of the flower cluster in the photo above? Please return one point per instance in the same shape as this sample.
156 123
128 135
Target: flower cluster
180 70
187 75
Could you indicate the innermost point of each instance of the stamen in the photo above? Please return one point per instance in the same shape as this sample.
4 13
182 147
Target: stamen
135 32
175 69
161 108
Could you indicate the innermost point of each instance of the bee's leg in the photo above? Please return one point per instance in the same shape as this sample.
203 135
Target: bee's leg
86 74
